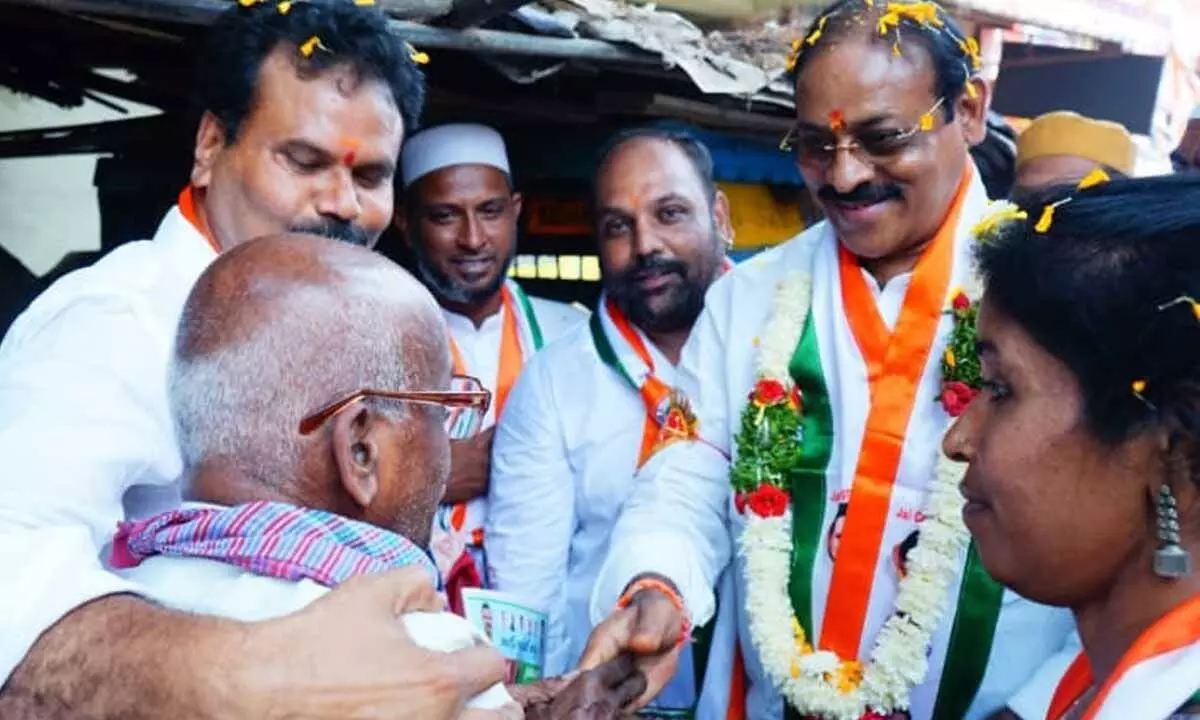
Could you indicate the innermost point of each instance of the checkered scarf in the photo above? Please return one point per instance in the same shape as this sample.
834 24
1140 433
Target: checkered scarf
272 539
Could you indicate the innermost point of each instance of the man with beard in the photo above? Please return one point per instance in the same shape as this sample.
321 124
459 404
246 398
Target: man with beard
596 405
460 223
305 108
823 369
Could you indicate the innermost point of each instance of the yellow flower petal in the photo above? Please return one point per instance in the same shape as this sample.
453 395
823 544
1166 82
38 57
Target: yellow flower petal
284 7
311 45
971 91
816 34
1095 177
1139 386
1047 218
247 3
417 56
949 358
364 3
926 122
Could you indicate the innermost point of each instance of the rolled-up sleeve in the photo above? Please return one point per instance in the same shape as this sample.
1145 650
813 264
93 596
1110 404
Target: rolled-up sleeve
675 523
531 506
83 417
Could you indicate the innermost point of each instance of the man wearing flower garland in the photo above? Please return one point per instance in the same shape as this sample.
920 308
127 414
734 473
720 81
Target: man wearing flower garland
597 404
819 368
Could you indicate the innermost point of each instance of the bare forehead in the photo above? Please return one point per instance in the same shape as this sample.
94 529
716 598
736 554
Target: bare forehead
862 77
463 185
646 167
335 103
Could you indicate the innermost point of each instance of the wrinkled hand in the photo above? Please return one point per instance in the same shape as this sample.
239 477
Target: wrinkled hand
599 694
347 655
470 468
651 629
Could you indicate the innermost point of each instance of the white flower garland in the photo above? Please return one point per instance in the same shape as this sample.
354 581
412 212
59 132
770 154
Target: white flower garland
819 682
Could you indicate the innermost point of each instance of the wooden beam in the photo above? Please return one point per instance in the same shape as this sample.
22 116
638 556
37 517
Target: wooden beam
471 13
203 12
659 105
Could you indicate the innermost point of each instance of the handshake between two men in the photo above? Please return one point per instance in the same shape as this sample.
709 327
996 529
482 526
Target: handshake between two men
345 650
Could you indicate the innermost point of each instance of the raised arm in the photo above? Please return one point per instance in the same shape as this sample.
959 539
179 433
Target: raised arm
531 506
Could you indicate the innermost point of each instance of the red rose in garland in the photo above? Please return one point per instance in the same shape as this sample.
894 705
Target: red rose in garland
768 501
956 396
768 392
960 302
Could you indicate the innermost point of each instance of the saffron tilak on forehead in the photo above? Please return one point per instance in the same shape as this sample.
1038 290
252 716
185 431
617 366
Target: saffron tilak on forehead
351 150
837 121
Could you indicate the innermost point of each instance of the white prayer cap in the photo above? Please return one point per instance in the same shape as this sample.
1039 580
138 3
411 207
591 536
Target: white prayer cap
449 145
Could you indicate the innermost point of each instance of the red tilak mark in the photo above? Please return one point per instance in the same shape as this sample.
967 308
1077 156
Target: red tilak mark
351 146
837 121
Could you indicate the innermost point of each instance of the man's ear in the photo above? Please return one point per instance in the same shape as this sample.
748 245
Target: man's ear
356 453
211 139
973 108
723 218
518 201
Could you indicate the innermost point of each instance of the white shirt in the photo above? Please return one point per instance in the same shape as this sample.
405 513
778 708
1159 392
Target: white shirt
85 425
562 467
210 587
679 523
479 348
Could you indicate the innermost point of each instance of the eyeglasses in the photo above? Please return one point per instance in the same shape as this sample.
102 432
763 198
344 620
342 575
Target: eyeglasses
874 146
466 403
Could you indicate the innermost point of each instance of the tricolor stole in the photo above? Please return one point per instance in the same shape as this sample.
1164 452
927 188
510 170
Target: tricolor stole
519 339
895 363
622 347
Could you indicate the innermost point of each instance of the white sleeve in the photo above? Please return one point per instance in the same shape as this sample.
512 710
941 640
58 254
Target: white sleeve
1032 701
531 507
675 522
82 402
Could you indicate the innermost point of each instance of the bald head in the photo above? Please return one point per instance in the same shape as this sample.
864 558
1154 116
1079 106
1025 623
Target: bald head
279 327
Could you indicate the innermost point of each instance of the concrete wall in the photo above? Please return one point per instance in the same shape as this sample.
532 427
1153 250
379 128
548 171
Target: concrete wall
48 205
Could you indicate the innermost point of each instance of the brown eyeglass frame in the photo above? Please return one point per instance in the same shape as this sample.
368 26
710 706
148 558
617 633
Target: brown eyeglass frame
480 399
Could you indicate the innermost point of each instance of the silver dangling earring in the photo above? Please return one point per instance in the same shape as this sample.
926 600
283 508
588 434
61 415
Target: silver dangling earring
1171 561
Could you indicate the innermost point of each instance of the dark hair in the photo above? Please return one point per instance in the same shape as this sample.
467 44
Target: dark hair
242 38
1096 291
696 151
996 157
945 45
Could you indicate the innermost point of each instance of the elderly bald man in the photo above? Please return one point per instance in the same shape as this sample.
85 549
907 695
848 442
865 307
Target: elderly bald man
313 401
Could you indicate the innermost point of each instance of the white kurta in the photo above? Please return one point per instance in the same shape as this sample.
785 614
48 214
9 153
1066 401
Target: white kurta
562 468
479 348
85 425
679 522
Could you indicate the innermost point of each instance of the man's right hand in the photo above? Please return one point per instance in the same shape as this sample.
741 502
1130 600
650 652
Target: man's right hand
470 468
347 655
650 628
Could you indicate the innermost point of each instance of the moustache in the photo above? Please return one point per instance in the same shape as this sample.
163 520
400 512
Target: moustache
653 265
865 194
334 229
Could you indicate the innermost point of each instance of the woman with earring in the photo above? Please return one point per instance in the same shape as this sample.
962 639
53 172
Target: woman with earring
1083 489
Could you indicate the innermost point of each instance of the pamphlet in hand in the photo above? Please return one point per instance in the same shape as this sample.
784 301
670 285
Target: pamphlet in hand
517 630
